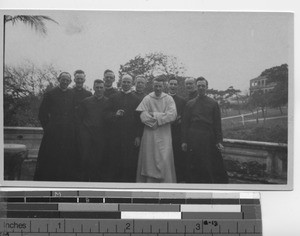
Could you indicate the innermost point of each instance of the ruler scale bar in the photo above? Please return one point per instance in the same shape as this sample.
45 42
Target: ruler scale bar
107 225
102 213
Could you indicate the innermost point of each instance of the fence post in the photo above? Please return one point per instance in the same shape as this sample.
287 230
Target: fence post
243 119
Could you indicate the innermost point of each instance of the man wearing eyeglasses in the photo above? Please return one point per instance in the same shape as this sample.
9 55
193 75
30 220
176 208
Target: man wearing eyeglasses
109 79
57 157
80 92
124 133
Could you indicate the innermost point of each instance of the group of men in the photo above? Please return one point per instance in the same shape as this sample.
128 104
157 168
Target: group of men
127 135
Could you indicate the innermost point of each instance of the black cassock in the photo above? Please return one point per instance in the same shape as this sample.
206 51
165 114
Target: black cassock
202 131
110 92
192 95
122 158
79 95
57 159
92 135
179 155
139 95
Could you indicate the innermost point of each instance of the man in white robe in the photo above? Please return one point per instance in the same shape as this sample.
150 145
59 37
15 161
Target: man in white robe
156 161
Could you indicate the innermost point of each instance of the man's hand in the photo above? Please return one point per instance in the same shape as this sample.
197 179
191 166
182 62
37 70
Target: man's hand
137 141
220 146
184 147
155 126
178 120
120 113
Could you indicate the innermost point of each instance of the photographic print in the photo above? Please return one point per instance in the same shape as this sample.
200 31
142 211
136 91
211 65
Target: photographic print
145 99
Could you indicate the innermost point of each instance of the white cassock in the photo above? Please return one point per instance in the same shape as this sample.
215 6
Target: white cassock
156 160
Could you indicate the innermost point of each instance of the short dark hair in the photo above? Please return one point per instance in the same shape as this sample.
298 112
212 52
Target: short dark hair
78 72
191 78
98 81
202 79
140 76
61 74
158 79
172 77
108 71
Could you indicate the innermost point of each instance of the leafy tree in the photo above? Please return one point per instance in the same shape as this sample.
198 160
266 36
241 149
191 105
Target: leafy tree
36 22
220 97
278 97
277 73
152 65
23 90
260 101
233 93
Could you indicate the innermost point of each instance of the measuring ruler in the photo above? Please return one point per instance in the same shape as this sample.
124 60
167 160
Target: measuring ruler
99 213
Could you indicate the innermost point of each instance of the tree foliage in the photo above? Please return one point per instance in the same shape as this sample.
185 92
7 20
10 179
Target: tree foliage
152 65
277 73
23 90
36 22
278 97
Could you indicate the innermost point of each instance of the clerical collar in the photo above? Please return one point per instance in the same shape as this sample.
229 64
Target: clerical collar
193 94
108 88
126 92
201 96
172 94
63 90
98 98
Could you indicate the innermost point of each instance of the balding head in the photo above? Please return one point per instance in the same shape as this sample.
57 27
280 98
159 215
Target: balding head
126 82
190 85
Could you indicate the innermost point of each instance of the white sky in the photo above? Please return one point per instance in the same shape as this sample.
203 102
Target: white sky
228 49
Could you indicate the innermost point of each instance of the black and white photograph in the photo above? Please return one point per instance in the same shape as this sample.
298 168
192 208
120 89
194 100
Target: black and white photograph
180 99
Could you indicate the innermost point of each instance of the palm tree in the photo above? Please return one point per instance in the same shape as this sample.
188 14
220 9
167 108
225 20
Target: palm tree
36 22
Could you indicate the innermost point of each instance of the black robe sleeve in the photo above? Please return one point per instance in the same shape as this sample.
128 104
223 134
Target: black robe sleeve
186 122
217 124
81 111
138 123
44 114
109 110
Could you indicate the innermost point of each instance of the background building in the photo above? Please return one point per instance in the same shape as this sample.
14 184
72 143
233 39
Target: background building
261 83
